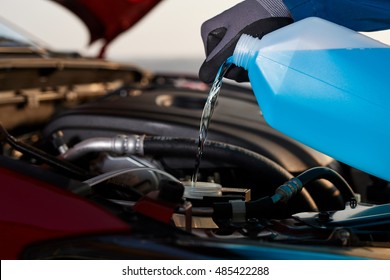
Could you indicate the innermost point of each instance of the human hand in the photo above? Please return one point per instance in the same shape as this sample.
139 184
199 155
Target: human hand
221 33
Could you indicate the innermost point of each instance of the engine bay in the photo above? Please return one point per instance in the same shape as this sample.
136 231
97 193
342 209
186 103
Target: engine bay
132 150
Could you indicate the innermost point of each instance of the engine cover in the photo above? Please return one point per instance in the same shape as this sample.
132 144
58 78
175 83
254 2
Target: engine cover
172 106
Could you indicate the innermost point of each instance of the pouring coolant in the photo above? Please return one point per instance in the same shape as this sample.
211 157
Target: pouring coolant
325 86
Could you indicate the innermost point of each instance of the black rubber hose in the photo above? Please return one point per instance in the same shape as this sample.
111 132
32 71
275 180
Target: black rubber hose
214 150
332 176
262 207
184 147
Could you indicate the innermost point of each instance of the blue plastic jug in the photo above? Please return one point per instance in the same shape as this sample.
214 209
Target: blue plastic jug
326 86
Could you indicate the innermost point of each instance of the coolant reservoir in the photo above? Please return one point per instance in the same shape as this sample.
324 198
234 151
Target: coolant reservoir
201 190
325 86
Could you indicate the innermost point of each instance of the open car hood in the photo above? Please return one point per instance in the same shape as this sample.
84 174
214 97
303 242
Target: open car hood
96 157
106 19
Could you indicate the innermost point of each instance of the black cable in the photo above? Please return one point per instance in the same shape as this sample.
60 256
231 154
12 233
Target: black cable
66 167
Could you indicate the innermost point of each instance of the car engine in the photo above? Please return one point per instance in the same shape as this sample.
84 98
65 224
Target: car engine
132 151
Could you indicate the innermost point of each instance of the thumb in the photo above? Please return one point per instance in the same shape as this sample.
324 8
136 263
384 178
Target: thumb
214 38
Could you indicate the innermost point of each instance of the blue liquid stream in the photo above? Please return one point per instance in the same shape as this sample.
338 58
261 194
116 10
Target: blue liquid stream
207 113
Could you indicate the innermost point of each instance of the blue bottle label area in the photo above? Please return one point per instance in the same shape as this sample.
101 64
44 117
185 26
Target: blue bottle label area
334 100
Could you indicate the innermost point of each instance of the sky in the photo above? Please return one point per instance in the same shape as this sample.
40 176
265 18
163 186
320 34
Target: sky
152 42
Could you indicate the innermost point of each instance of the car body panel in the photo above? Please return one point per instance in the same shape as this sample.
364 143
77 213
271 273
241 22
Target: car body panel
32 210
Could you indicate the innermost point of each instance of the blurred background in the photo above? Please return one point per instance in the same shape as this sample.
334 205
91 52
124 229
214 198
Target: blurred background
168 38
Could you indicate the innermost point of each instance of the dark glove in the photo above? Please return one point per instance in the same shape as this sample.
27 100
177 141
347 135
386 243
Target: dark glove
221 33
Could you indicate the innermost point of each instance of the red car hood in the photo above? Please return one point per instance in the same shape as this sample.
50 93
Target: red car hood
106 19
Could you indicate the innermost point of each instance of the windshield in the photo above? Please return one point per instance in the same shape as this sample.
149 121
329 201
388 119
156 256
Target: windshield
11 38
